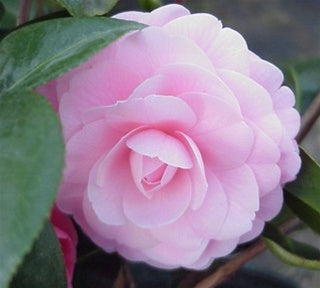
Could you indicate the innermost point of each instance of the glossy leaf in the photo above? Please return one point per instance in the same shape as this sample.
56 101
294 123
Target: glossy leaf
88 7
31 163
37 53
290 251
304 78
303 195
43 266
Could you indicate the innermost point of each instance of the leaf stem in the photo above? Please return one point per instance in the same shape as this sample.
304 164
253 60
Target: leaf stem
24 11
309 118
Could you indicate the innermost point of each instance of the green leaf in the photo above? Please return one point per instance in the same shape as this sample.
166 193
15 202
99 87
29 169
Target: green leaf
303 195
80 8
31 163
291 251
150 5
304 78
44 265
37 53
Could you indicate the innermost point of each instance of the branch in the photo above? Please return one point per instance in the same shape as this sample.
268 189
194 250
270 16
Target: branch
24 9
309 118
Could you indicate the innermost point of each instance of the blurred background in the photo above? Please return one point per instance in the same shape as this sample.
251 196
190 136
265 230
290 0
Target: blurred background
285 32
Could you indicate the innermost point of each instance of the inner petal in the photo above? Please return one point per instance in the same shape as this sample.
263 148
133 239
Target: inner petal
155 143
150 174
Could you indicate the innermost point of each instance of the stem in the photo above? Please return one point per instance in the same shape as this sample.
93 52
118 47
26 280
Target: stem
39 8
24 10
309 118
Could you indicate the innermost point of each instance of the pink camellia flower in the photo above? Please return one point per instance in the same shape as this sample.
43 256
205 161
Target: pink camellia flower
178 141
68 239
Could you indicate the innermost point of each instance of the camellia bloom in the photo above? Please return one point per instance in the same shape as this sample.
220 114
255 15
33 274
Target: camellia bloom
68 239
178 140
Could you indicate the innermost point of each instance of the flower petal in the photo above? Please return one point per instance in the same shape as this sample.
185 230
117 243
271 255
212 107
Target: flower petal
165 207
155 143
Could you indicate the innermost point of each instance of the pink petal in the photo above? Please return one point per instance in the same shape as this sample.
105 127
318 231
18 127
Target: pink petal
203 29
257 228
164 112
264 149
70 196
86 147
174 255
271 125
241 187
108 180
49 90
152 48
196 173
267 176
271 204
166 206
214 250
212 112
219 148
90 89
230 51
110 237
180 78
243 199
254 100
208 219
157 17
290 119
155 143
283 98
266 74
179 234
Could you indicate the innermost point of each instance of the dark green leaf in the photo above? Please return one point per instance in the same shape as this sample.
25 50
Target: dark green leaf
44 265
150 5
37 53
1 10
87 7
304 78
290 251
31 163
303 195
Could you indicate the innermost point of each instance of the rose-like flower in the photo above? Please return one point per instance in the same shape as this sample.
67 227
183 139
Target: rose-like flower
68 239
178 140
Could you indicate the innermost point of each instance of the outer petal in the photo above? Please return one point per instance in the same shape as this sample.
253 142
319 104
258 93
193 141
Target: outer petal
230 51
173 255
243 199
157 17
271 204
257 228
266 74
163 112
90 89
180 78
214 250
203 29
179 234
86 147
151 48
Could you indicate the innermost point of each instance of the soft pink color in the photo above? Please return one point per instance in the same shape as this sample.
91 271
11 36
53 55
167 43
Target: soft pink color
68 239
178 141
